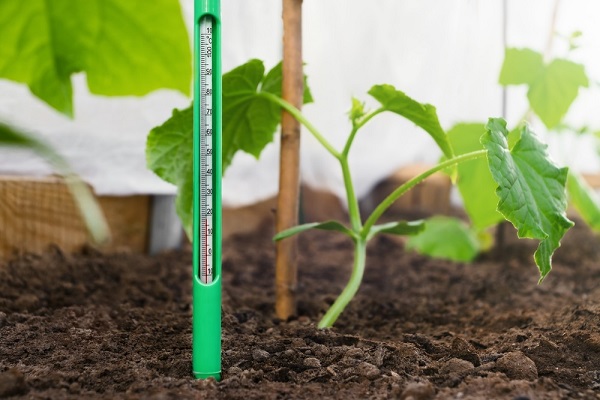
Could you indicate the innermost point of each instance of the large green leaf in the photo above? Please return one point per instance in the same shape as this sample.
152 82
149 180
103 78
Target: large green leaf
531 189
125 47
89 208
169 153
169 147
474 181
250 120
273 81
447 238
554 91
184 203
520 66
552 87
423 115
325 226
584 199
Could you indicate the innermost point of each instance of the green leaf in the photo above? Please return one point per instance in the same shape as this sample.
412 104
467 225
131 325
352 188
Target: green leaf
515 135
552 87
169 154
11 137
169 147
125 47
273 81
447 238
531 189
85 200
521 66
474 181
326 226
184 203
585 200
250 120
402 228
554 91
423 115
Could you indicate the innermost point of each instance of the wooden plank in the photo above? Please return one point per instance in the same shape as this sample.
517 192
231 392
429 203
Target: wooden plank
36 213
128 218
320 205
250 218
317 205
593 180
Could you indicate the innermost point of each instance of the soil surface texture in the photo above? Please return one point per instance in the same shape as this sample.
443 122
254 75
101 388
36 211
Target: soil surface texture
118 326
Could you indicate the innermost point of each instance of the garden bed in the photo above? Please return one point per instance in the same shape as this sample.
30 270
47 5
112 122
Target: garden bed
98 325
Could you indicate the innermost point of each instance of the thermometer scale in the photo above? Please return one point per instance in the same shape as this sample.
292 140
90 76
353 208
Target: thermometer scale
206 152
206 305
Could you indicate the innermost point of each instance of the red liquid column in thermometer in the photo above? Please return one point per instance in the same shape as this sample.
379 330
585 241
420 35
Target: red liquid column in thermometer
206 151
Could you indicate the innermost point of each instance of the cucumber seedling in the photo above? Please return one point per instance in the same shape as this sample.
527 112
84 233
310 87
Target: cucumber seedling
530 188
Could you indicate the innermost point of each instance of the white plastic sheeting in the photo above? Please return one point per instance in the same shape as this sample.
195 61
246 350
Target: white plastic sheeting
447 53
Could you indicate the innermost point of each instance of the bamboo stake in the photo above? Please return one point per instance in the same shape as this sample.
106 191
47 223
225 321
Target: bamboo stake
289 164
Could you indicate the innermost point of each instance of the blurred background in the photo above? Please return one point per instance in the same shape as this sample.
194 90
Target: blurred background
447 53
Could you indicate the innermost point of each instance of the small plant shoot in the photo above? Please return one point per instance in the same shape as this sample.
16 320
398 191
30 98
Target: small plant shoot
525 187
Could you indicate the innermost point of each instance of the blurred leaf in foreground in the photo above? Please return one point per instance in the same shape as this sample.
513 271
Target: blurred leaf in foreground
125 47
88 206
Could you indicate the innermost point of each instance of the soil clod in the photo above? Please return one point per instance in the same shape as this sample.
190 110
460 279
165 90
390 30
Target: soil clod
12 383
418 391
517 365
260 355
312 362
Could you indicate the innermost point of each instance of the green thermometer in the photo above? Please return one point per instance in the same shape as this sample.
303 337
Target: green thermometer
206 307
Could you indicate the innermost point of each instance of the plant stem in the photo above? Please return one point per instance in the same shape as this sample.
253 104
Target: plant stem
353 210
298 115
389 200
552 32
360 252
356 127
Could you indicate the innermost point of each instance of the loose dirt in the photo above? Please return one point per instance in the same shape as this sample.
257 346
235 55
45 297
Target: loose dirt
117 326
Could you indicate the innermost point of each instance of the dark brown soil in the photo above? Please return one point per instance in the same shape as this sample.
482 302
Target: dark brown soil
118 325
